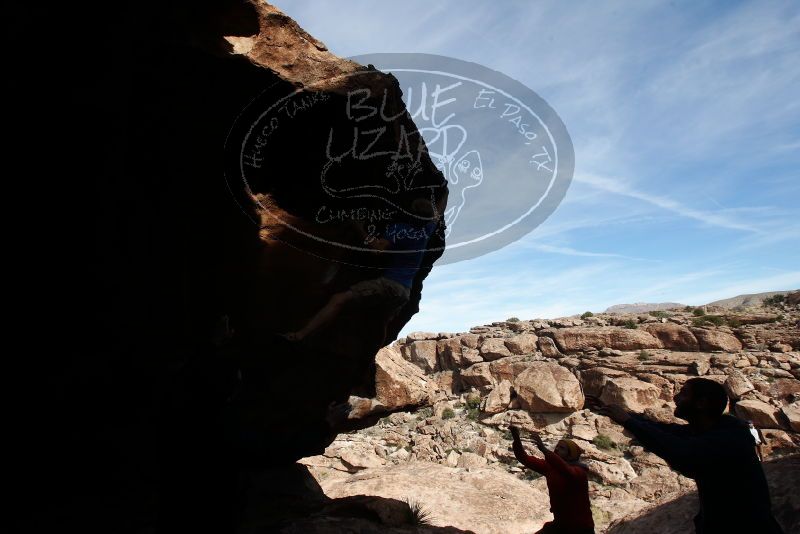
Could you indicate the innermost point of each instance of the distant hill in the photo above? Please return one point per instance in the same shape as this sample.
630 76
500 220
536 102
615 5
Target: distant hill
740 301
754 299
643 307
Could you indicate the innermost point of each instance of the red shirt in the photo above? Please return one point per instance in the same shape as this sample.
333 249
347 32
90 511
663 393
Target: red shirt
568 487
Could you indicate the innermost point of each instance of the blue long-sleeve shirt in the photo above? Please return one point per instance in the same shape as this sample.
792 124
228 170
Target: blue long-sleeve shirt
731 485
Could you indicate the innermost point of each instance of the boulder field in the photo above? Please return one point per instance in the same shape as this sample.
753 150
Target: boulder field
462 391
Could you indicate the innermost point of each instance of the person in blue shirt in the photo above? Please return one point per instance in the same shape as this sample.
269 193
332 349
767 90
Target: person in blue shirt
404 243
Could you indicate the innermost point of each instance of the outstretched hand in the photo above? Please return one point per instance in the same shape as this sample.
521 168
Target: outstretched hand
616 413
537 439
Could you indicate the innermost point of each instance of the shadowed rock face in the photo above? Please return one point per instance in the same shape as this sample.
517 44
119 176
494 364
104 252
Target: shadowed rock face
677 516
311 167
180 398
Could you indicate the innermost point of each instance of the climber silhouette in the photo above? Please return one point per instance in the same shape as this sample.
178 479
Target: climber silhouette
717 451
567 484
392 289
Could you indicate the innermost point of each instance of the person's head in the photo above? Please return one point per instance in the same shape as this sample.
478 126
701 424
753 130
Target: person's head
568 450
700 398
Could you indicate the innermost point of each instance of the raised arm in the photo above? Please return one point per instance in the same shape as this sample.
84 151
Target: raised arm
671 442
683 452
531 462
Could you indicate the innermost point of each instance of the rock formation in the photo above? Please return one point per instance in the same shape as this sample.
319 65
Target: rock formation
643 307
535 374
200 270
187 412
749 300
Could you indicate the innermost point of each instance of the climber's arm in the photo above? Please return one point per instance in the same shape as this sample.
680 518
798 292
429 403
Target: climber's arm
531 462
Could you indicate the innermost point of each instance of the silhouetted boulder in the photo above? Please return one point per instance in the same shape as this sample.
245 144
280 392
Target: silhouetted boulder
211 245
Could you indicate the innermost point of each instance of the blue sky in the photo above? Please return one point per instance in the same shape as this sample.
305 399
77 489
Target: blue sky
685 118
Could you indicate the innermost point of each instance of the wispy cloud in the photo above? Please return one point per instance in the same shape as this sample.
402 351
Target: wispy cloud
674 284
621 188
453 301
568 251
788 147
684 118
738 75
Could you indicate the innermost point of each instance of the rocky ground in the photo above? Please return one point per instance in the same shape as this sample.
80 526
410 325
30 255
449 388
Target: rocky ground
450 451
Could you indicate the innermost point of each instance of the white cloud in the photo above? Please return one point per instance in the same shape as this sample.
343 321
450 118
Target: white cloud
621 188
674 110
569 251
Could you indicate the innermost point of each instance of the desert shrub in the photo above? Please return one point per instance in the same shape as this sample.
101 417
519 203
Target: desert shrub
698 312
424 413
601 441
660 314
584 315
716 320
733 322
512 320
448 413
630 324
472 414
506 434
473 402
774 300
644 355
416 514
688 308
600 516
